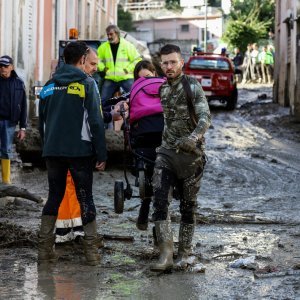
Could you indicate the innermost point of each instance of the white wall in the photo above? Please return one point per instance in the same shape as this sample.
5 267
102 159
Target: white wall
18 35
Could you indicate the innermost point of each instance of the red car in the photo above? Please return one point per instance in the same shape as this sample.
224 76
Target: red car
215 72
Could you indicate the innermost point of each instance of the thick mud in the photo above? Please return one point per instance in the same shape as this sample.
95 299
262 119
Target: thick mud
247 239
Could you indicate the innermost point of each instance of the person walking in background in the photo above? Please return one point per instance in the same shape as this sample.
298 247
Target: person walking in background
238 62
267 62
117 59
72 131
180 159
247 63
13 111
255 64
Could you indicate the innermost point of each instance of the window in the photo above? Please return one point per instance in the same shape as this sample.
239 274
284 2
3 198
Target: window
88 21
79 18
212 64
185 28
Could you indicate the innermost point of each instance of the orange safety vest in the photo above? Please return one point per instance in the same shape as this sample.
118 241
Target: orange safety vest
69 213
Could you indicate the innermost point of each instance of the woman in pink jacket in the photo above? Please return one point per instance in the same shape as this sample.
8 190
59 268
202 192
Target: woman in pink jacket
146 126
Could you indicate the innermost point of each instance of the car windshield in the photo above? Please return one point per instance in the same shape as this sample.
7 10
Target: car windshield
206 63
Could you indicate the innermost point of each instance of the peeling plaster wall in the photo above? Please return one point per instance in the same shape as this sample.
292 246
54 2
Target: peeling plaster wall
287 56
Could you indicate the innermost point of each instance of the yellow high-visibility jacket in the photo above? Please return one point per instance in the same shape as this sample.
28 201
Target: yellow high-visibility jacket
127 57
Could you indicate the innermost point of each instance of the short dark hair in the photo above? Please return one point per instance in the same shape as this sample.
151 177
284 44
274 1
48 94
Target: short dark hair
169 48
143 64
74 51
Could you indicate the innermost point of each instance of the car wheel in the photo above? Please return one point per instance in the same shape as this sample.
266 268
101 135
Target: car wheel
232 100
119 197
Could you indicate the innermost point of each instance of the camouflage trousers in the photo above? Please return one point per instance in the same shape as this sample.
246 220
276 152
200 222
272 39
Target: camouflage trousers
181 171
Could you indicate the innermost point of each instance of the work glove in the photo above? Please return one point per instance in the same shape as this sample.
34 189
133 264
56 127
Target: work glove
188 145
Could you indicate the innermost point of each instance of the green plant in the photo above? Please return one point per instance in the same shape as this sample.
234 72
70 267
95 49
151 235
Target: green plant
124 19
248 22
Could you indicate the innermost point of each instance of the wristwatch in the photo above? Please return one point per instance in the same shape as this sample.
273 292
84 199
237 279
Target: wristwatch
24 129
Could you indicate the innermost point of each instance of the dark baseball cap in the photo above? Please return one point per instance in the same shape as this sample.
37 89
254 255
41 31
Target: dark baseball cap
6 60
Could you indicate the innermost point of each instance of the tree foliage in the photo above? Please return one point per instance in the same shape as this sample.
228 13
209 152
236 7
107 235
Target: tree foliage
173 4
124 19
248 22
266 9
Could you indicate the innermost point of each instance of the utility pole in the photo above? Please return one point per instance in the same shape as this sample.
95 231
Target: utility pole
205 29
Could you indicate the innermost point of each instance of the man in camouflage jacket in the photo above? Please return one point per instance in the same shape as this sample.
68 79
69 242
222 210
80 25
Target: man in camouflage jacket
180 159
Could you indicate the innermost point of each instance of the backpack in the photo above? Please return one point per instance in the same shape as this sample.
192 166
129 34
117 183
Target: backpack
144 98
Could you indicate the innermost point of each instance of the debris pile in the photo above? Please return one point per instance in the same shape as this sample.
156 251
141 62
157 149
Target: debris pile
12 235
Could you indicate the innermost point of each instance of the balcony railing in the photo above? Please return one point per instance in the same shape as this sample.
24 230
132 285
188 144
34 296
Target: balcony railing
146 5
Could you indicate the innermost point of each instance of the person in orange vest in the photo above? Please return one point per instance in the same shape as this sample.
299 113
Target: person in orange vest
71 128
69 223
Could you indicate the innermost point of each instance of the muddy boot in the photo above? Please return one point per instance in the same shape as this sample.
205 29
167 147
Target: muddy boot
100 241
46 242
165 245
142 220
90 244
186 232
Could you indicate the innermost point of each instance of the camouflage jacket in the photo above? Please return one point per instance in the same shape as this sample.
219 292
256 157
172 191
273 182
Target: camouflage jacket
177 121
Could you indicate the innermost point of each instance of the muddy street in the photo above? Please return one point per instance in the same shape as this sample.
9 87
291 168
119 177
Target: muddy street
247 239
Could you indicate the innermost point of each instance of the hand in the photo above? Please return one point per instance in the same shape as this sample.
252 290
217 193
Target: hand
187 145
21 134
100 166
122 105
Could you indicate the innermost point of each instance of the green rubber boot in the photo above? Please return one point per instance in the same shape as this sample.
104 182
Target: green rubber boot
186 232
46 240
165 245
91 244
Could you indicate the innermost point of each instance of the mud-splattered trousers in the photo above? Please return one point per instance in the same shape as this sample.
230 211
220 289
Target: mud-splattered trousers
177 168
182 171
81 169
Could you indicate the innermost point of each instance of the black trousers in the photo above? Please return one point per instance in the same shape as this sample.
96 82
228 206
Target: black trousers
81 169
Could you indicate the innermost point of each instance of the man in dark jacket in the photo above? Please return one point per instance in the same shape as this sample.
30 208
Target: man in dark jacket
72 131
13 110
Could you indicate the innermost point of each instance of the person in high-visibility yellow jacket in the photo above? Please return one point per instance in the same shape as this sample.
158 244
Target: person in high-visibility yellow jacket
117 59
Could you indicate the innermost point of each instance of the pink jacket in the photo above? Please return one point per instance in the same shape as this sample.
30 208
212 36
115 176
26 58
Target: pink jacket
144 98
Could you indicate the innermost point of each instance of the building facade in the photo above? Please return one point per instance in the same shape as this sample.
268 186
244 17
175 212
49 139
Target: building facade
187 29
287 55
30 31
